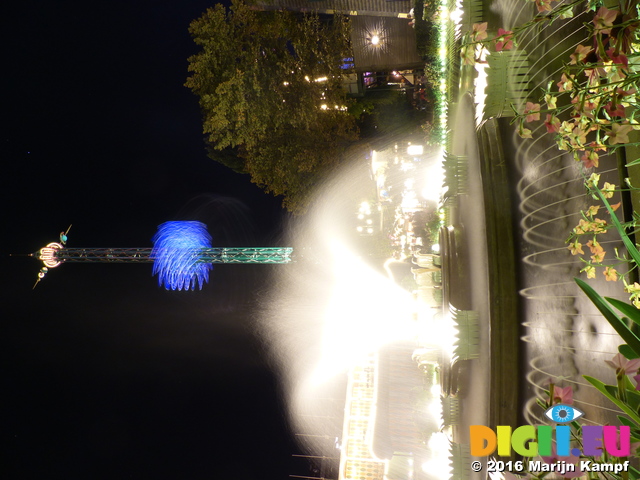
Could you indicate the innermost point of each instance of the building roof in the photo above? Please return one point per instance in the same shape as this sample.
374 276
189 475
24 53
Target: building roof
351 7
396 44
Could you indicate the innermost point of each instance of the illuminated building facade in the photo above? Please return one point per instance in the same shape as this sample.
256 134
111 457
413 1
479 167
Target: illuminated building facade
357 462
382 38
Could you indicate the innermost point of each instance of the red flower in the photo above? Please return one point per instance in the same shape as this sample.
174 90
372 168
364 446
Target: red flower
619 58
615 110
590 159
552 123
504 40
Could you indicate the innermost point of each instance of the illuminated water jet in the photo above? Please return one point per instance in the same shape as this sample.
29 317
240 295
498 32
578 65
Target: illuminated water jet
340 327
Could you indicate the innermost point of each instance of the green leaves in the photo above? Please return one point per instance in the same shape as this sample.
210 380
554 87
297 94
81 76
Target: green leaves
262 78
610 391
627 351
628 310
616 322
629 245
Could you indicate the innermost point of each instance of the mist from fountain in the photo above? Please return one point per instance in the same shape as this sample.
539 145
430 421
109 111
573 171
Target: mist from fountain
332 308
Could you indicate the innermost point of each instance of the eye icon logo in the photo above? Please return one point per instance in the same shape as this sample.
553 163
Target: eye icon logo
563 413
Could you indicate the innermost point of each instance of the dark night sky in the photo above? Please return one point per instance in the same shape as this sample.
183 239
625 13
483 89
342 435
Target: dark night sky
105 374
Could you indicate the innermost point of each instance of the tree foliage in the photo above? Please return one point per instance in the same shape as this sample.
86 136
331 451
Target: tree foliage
269 84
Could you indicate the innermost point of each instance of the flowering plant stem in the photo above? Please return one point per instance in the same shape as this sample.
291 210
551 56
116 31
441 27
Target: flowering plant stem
629 245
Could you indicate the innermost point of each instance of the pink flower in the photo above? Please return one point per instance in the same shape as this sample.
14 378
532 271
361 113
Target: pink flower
479 32
504 40
580 54
623 93
544 5
593 76
604 18
622 365
532 111
637 379
552 123
619 58
565 83
562 395
590 159
619 133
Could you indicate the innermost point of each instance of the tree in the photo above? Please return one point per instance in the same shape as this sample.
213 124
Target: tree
270 88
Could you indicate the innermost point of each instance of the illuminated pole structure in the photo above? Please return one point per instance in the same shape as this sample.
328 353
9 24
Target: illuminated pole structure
182 255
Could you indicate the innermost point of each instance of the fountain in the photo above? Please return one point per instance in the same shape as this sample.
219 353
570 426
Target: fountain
340 328
565 337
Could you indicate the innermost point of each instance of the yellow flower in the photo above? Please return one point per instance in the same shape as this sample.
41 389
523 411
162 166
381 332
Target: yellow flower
610 274
591 271
598 257
593 210
468 54
575 248
524 132
619 133
594 246
562 143
635 288
598 225
551 101
566 12
582 227
593 180
565 83
566 128
608 190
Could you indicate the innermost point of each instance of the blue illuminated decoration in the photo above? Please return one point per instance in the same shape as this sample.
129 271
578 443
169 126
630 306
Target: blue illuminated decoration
182 255
176 253
347 63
